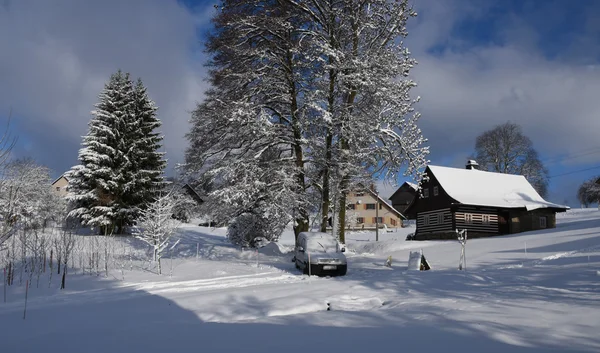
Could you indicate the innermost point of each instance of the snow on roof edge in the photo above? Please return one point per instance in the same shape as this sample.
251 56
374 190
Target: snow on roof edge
412 185
386 203
510 191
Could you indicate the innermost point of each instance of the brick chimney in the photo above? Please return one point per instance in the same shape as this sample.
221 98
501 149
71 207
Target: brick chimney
472 164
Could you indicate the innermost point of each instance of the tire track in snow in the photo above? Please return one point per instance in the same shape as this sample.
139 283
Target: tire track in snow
133 290
223 284
555 256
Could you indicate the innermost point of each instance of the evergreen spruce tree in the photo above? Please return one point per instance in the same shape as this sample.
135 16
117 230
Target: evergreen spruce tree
120 168
148 161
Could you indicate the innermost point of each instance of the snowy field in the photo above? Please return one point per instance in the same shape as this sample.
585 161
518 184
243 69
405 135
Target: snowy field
531 292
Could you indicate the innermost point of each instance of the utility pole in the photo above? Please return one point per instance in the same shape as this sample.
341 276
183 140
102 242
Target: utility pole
377 217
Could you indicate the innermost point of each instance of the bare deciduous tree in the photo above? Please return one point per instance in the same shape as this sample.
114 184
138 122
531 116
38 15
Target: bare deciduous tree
7 142
589 191
505 149
156 226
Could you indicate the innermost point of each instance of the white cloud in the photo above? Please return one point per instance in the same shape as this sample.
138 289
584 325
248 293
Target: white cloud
56 57
467 88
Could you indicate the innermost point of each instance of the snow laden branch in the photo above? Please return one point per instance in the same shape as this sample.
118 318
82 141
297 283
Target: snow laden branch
156 226
308 98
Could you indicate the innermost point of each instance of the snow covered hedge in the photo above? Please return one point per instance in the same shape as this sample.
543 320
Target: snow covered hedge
248 229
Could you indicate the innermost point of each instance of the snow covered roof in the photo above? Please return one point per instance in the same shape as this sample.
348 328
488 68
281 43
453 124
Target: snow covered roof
63 175
476 187
387 204
412 185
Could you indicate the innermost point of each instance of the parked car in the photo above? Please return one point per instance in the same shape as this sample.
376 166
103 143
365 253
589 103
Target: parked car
321 253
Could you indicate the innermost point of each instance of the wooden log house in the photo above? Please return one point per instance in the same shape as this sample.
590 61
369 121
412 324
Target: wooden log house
484 203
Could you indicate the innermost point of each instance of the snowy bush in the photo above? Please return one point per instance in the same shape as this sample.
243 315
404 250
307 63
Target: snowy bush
249 229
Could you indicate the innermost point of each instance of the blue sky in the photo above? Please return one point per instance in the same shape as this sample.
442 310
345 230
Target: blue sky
481 63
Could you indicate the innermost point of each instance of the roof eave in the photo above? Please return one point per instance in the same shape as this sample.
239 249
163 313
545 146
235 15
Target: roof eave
390 207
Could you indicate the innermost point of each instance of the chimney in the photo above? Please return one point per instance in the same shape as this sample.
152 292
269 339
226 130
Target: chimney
472 165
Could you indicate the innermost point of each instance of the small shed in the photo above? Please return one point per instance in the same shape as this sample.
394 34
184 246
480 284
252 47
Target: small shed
403 197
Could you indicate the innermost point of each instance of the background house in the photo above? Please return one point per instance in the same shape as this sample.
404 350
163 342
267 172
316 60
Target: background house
363 208
484 203
189 202
403 196
59 186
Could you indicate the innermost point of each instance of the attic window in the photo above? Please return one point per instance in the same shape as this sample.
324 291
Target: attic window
58 188
435 191
359 194
426 193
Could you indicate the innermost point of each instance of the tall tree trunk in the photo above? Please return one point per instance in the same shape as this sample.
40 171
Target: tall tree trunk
343 192
325 195
302 219
328 155
344 145
326 191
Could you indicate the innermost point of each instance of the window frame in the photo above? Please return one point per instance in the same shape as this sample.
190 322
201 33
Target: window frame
486 219
468 218
426 193
543 222
368 206
436 191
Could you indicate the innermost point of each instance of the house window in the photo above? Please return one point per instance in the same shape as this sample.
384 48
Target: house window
360 220
359 194
370 206
377 219
485 219
380 206
543 221
58 188
426 193
393 222
468 218
351 206
435 191
426 220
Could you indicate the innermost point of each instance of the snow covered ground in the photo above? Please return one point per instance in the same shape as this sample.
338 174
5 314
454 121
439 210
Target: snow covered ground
530 292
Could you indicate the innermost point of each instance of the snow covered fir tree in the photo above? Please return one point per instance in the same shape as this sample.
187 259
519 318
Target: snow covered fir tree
121 168
323 88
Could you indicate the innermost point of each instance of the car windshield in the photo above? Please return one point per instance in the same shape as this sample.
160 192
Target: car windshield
325 244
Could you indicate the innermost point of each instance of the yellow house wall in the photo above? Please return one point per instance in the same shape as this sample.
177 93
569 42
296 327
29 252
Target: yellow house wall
368 215
60 187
